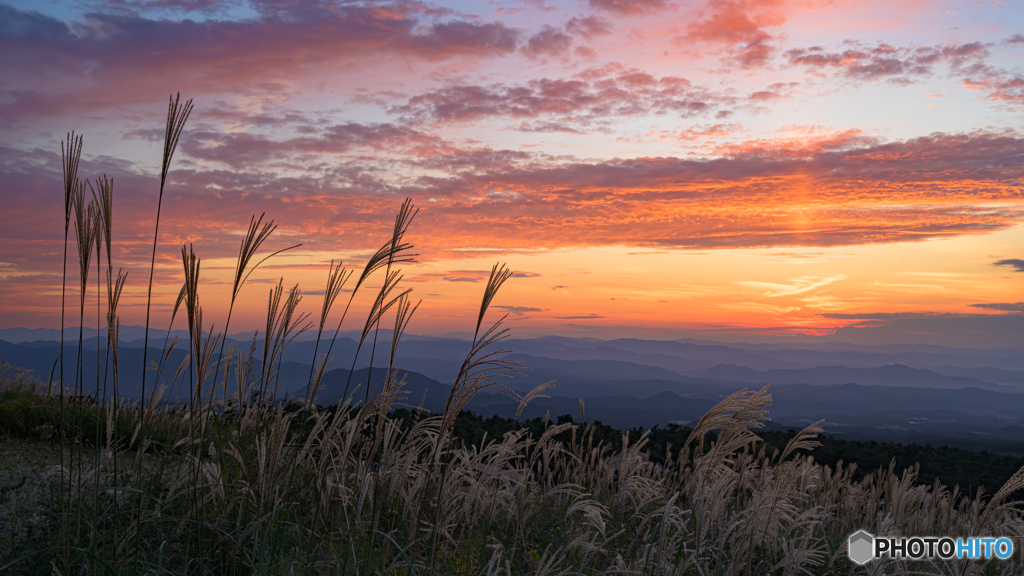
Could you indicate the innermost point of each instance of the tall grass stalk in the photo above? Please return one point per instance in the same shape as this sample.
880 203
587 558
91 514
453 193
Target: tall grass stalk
394 251
102 224
282 327
202 357
71 154
86 223
177 115
255 236
104 195
381 304
337 277
403 220
480 370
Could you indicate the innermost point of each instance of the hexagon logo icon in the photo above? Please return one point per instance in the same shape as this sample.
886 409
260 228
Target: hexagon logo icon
860 547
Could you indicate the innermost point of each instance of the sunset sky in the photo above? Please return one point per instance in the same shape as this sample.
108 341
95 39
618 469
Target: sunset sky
737 170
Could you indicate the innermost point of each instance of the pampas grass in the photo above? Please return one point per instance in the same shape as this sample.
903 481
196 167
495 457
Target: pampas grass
244 483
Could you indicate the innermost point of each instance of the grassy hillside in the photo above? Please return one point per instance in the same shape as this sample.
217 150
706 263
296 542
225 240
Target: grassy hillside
249 488
233 482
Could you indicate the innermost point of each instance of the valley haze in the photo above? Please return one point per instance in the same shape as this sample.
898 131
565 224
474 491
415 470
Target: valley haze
971 398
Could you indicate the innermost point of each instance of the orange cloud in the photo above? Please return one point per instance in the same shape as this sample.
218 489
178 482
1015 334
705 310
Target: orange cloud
811 142
818 189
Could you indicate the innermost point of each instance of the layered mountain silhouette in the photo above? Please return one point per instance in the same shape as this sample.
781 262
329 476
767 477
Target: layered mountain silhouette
911 393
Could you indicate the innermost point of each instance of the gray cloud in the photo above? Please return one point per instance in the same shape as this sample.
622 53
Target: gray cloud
1015 263
1002 306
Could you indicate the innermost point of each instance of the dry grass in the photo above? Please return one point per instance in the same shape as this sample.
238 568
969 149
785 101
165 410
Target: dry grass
358 493
234 483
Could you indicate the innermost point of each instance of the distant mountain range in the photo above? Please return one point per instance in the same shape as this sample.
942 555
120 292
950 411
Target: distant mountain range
928 393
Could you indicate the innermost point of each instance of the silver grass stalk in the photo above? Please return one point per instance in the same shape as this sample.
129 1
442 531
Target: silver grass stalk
255 236
395 251
177 115
337 277
70 154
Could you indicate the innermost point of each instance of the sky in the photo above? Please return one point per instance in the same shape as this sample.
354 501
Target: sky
735 170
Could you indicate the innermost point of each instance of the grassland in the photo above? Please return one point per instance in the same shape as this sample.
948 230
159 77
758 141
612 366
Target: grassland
233 482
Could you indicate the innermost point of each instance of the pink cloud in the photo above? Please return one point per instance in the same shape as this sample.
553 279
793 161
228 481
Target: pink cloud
900 64
776 91
906 64
182 6
1011 90
999 86
628 7
109 59
242 149
738 25
548 42
705 134
588 27
597 93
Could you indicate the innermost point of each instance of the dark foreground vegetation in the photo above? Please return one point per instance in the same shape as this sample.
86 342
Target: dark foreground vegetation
233 482
26 416
281 489
970 470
